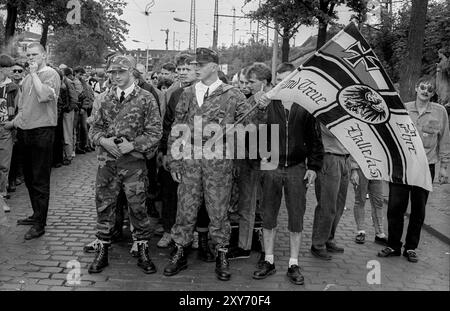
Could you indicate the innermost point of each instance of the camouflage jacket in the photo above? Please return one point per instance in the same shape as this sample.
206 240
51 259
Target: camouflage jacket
223 106
137 119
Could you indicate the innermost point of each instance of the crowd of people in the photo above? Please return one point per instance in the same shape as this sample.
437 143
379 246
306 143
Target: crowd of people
225 208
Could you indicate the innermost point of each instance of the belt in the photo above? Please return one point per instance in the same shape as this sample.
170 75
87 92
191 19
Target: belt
338 155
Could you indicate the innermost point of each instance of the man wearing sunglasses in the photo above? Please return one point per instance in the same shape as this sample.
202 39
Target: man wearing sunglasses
431 121
17 73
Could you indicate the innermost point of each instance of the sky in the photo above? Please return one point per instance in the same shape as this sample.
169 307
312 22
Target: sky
147 29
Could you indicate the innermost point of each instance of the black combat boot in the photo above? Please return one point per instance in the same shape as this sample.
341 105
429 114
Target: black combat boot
101 257
204 252
177 263
144 261
222 265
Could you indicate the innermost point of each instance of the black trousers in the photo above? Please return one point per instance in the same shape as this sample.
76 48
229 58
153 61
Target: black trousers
58 145
399 196
37 159
16 168
169 198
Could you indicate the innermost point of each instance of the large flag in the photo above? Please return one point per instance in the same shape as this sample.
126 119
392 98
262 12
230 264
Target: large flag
346 88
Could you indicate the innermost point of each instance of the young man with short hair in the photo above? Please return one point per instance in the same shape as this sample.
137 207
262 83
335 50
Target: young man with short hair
202 178
259 78
431 121
300 157
36 122
187 76
127 127
244 84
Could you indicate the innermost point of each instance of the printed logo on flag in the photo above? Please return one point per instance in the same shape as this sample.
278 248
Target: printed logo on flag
345 87
364 103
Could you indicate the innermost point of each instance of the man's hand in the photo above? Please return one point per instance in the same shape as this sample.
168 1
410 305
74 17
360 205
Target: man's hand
110 146
33 67
8 125
443 175
125 146
354 178
176 176
262 100
311 177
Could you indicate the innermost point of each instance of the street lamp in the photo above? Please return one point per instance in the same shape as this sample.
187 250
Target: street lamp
146 63
180 20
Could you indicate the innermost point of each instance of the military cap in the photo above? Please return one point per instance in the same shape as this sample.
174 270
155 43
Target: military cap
121 62
205 55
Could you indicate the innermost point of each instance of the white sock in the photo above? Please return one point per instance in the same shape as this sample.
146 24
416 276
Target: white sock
269 258
293 261
381 235
361 231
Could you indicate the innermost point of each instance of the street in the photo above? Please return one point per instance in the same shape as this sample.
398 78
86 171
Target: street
41 264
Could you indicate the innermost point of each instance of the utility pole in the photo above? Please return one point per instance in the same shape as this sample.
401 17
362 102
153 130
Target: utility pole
275 52
267 27
234 27
167 38
173 41
192 28
216 25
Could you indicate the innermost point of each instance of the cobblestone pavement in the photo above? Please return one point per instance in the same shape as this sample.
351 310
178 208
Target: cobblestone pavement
41 264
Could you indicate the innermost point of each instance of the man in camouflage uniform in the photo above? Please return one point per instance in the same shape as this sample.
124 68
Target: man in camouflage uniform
127 128
200 178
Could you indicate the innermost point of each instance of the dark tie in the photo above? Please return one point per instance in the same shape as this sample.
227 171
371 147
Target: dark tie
122 96
206 94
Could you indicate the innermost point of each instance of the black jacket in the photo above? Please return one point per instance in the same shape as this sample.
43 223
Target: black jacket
169 118
299 135
148 87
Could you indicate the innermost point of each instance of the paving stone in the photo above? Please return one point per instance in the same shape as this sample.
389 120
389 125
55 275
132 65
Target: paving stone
41 263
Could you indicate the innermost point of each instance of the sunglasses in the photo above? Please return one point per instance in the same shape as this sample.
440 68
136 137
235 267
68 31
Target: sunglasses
32 54
428 88
17 71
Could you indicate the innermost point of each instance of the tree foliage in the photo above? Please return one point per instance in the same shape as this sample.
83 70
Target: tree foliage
240 56
390 41
100 30
288 15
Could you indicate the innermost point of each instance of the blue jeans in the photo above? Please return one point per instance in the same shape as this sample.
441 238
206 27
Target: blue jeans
375 188
331 193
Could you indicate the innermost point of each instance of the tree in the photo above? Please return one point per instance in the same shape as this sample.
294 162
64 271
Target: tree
325 13
13 8
100 30
242 55
289 15
413 62
47 14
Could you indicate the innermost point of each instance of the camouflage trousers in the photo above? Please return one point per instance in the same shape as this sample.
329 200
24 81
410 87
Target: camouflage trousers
130 174
210 180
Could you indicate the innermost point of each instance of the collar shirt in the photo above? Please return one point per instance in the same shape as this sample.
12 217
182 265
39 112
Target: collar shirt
433 128
202 89
127 90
